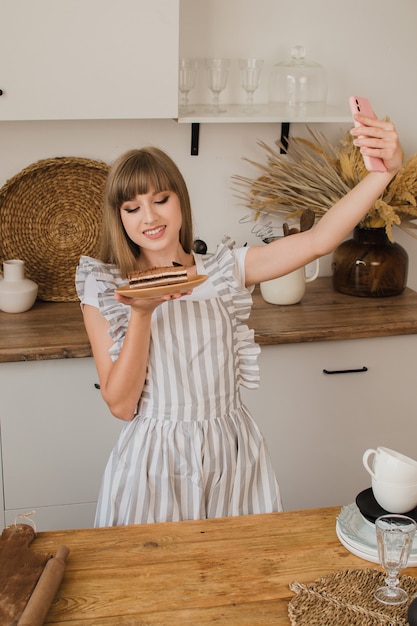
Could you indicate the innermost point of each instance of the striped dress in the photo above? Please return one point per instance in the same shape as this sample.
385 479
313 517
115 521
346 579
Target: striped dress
192 451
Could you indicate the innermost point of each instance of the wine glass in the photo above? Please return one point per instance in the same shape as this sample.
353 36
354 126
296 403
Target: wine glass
187 73
250 72
395 534
217 75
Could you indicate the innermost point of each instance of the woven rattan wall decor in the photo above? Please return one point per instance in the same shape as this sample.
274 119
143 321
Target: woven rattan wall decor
50 214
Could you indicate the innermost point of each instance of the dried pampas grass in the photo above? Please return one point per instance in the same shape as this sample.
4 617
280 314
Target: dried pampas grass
314 174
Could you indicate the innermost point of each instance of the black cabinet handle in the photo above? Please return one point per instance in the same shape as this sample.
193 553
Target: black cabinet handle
352 371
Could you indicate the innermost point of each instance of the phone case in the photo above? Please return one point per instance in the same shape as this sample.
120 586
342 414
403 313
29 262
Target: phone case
363 106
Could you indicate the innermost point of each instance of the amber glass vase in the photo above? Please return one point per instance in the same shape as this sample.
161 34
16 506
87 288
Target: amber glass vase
369 265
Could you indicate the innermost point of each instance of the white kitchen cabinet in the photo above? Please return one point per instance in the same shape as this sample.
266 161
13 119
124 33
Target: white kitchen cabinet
56 432
318 425
89 60
56 436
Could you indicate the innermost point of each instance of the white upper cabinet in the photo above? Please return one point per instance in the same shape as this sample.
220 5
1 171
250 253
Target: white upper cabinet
88 59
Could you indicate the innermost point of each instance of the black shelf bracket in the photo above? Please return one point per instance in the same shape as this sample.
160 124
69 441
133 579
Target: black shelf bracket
285 133
195 137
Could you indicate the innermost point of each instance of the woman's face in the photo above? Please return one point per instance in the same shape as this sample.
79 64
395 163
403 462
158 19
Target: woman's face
153 220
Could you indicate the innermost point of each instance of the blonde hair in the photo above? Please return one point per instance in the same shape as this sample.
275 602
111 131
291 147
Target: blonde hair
136 172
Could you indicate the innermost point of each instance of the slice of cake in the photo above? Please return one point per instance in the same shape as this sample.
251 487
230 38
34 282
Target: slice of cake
158 276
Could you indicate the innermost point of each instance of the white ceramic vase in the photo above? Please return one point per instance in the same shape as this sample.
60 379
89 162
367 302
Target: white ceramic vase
17 293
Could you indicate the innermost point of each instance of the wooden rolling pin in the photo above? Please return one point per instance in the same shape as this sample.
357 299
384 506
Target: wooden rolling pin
44 593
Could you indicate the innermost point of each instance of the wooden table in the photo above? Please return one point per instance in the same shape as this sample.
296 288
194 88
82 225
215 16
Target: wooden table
221 571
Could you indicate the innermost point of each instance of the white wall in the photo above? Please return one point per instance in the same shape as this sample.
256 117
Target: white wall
367 48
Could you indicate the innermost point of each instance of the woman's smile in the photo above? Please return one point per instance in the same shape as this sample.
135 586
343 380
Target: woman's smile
155 233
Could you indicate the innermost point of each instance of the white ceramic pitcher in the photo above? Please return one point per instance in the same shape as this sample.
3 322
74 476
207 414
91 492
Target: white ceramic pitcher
288 289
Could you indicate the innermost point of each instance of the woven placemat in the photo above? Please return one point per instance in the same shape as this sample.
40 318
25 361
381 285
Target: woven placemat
346 599
50 214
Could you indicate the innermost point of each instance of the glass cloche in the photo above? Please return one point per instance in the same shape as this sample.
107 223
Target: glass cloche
298 82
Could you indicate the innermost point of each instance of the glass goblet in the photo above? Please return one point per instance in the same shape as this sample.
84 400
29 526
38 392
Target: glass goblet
395 534
217 75
187 73
250 72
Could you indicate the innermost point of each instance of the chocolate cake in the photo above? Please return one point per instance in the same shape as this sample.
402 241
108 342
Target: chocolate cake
158 276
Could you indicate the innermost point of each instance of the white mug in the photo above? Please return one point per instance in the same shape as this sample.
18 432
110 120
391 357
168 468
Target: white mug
288 289
395 498
390 466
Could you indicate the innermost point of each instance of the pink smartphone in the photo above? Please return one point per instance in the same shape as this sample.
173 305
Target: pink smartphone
362 105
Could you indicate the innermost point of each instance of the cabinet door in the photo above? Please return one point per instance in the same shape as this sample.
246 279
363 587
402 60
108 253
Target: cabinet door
56 434
98 59
318 425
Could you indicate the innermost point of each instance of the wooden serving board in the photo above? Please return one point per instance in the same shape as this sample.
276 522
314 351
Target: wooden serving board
28 579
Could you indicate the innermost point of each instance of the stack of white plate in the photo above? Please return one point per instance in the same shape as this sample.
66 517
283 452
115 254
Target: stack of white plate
358 535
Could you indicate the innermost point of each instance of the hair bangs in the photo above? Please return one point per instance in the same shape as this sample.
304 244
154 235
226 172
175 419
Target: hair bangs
139 175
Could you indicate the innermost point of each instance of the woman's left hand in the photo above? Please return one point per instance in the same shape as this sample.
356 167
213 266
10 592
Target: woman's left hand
378 138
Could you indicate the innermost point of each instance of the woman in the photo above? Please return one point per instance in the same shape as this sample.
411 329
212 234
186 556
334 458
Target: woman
171 366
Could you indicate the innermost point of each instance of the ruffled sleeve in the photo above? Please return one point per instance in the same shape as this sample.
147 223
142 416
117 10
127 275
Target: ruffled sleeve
229 279
107 278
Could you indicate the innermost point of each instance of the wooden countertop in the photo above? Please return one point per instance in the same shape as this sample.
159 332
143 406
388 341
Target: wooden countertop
56 330
324 314
233 570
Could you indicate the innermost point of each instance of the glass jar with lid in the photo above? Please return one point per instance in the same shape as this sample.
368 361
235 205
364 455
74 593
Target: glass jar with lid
298 82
